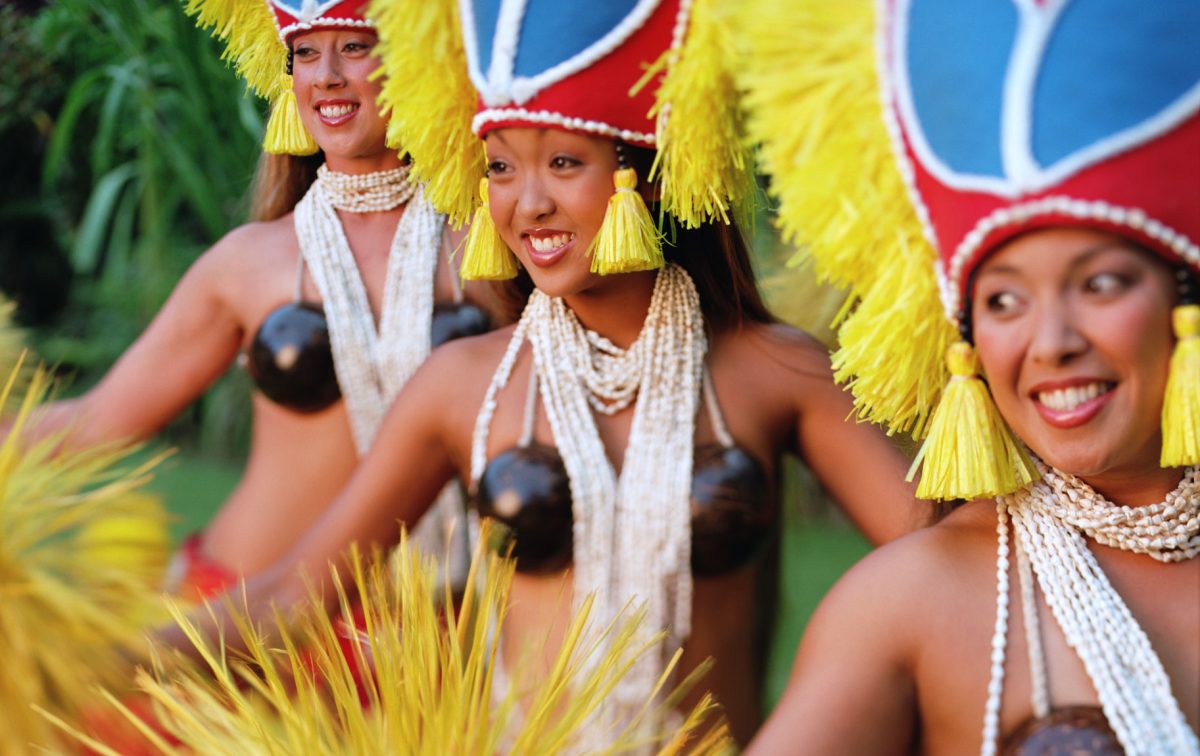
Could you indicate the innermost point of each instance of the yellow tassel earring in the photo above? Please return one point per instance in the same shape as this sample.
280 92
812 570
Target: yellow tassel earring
628 240
486 256
1181 403
970 453
286 134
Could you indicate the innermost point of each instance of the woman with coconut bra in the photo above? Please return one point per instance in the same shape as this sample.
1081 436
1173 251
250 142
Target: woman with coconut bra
330 300
1056 175
628 428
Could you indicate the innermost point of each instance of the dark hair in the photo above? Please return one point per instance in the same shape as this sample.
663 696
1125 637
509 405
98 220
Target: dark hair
280 181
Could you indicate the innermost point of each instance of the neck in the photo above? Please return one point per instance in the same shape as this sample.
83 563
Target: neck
383 161
616 307
1139 488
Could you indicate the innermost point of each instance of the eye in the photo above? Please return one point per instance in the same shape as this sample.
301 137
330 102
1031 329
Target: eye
495 167
304 51
560 162
356 46
1106 283
1002 302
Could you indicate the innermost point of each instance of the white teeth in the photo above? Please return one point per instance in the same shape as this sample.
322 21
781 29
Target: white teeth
549 243
336 111
1065 400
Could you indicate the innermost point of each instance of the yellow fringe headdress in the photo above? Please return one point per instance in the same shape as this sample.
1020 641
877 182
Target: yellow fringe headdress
82 550
654 76
257 36
878 190
432 689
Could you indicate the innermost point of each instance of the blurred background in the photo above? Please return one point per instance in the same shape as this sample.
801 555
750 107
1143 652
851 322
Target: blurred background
126 149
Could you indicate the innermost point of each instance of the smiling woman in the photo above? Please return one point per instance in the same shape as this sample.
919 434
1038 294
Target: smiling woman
1044 149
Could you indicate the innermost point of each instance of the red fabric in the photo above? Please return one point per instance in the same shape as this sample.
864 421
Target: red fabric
1160 177
346 10
600 92
198 576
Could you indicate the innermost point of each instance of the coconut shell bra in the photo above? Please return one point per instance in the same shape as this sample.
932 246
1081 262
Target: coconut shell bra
291 362
526 489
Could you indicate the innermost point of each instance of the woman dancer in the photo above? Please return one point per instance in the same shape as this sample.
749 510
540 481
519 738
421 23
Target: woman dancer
628 428
1056 177
330 299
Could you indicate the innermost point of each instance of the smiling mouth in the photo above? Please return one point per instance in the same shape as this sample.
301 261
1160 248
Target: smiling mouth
337 112
549 244
1071 399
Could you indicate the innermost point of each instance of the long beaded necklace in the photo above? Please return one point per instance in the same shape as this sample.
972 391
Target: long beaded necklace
632 533
1050 519
372 365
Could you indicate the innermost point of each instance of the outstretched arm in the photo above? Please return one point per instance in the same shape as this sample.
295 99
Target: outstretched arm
856 463
411 460
188 345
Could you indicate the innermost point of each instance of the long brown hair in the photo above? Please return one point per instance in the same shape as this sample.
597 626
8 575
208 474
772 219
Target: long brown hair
280 181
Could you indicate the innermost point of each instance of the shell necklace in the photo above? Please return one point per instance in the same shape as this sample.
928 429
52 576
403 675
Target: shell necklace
371 364
1051 518
632 533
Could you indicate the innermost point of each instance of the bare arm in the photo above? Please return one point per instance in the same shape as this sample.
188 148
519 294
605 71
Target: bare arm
851 691
855 461
411 460
188 345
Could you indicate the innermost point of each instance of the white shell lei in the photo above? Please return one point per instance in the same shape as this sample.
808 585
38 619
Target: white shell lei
1050 519
372 365
632 534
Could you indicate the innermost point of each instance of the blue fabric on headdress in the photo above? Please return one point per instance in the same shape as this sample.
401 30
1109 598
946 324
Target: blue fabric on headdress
1138 82
551 31
959 107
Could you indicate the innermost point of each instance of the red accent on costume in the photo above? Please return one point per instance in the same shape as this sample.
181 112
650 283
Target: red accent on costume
347 13
1160 177
601 92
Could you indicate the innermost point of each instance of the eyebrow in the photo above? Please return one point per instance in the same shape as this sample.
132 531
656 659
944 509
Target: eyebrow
1079 261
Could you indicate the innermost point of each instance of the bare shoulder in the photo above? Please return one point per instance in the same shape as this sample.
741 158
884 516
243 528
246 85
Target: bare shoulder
778 354
255 247
918 577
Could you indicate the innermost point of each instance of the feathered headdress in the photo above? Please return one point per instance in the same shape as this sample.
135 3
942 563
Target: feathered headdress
907 139
651 73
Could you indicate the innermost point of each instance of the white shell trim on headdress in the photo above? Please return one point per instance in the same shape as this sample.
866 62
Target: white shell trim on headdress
323 23
950 280
550 118
499 86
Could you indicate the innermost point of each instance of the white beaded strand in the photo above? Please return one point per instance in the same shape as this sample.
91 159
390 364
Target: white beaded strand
1050 518
373 364
632 534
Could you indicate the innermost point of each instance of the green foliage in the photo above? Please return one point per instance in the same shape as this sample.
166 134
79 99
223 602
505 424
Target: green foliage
147 159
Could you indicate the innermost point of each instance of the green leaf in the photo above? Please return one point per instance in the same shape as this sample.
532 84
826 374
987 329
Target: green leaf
85 252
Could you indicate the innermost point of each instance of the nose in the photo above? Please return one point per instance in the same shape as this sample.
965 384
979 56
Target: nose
329 71
533 201
1057 338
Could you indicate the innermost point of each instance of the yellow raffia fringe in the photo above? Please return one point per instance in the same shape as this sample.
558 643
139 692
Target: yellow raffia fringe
432 687
1181 403
813 104
485 255
251 39
82 552
285 134
430 115
704 166
970 452
628 240
13 351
